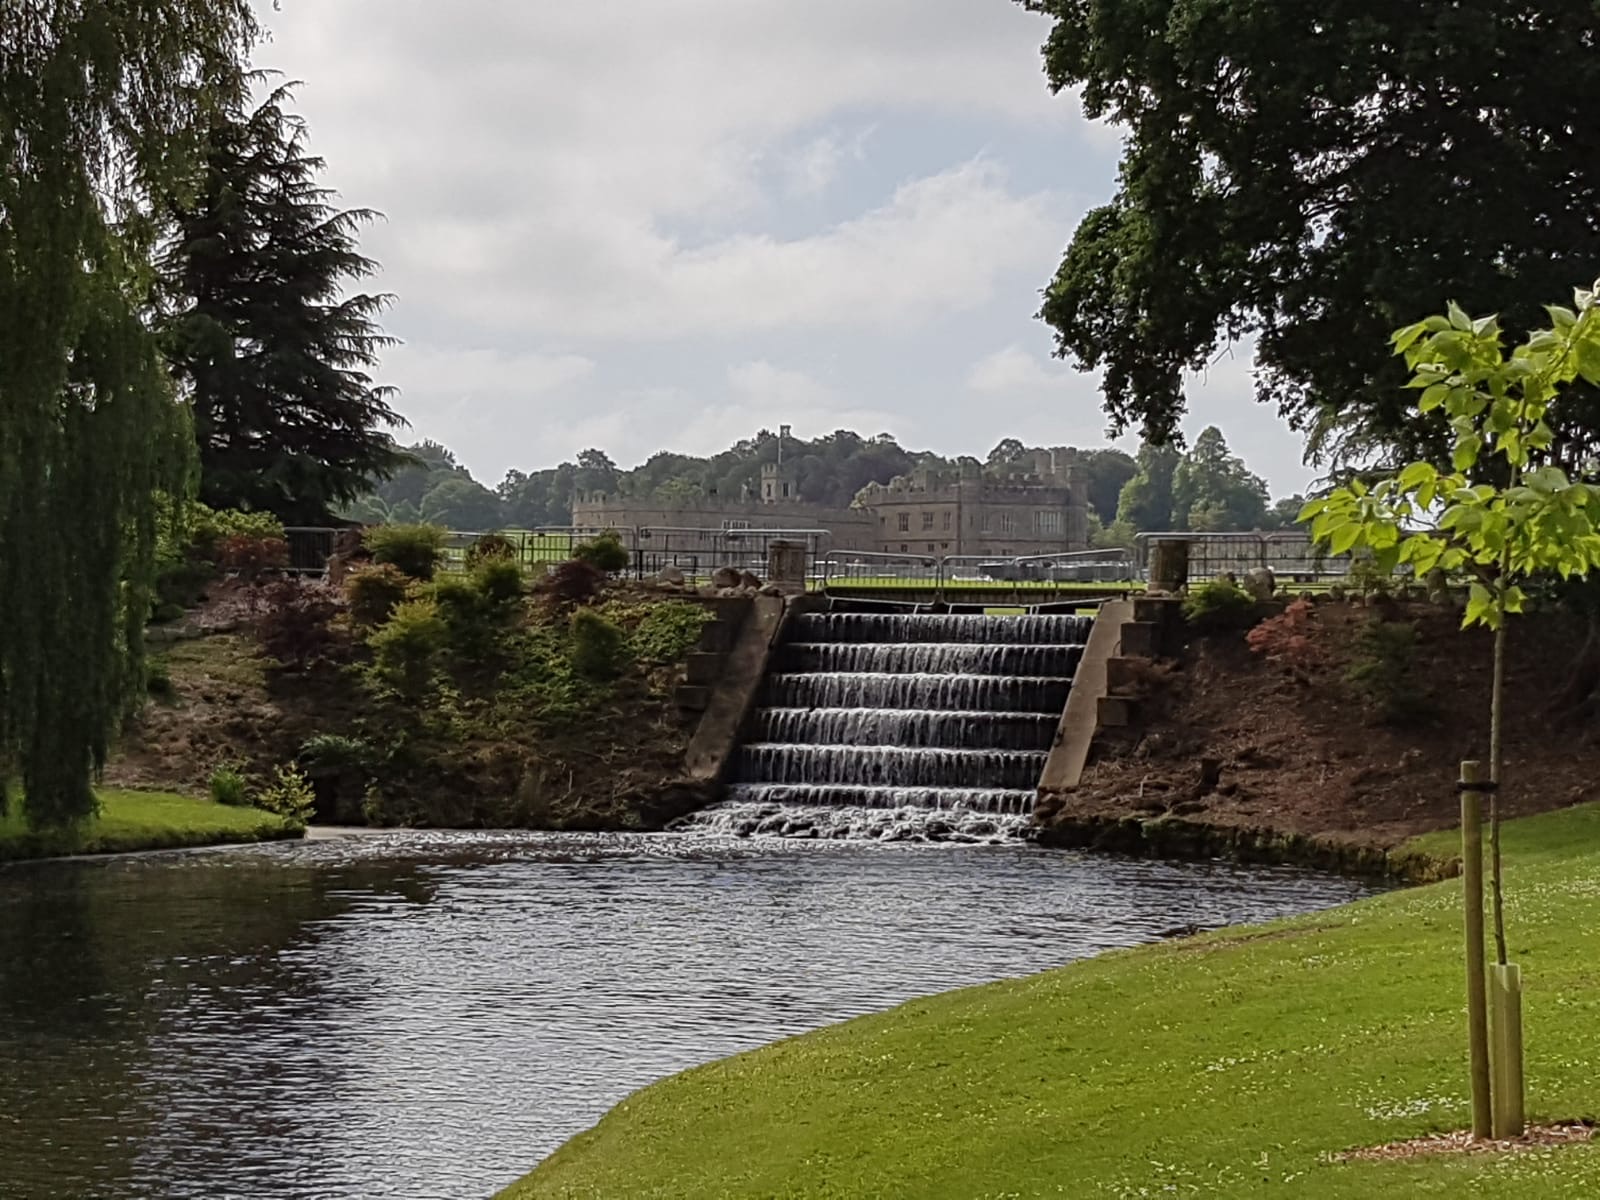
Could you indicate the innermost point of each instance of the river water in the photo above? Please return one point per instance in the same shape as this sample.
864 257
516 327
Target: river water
426 1015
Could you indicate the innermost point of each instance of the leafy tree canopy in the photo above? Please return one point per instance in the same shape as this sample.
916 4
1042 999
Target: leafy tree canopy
1212 489
1317 175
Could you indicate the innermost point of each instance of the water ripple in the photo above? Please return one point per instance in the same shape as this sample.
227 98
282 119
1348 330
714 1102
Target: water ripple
425 1015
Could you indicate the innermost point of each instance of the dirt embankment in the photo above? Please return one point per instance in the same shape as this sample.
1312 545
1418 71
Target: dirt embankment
1338 750
506 736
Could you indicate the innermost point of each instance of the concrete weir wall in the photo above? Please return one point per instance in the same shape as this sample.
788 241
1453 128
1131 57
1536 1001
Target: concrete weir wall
727 687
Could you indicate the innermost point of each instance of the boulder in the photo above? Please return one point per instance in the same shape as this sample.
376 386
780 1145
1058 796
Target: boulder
751 580
1260 582
725 577
671 574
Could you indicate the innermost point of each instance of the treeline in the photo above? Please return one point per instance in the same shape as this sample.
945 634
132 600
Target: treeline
1205 488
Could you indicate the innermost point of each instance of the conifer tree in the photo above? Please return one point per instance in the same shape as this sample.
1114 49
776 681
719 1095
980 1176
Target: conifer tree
275 356
100 105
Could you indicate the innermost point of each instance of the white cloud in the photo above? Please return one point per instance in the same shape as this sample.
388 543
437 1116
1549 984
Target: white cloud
1012 370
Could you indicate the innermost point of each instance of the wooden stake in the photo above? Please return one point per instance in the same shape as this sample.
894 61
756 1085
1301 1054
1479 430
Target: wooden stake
1505 1002
1472 895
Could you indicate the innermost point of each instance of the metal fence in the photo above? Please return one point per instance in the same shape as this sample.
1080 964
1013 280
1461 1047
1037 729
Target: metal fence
697 552
1290 554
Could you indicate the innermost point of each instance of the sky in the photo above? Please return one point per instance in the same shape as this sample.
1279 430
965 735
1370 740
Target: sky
666 225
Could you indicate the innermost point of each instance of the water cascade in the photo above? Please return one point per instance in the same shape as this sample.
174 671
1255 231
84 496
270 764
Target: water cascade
902 725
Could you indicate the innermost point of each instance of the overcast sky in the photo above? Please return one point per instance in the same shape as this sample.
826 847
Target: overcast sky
664 224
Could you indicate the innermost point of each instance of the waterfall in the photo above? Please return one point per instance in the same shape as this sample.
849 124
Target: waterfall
902 725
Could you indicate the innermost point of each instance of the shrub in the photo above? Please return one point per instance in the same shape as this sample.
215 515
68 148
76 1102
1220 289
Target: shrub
605 553
179 585
667 631
415 549
1220 604
250 556
295 626
1286 640
490 547
1368 579
375 592
498 580
574 581
406 650
206 530
158 679
289 795
335 752
1383 673
228 787
598 646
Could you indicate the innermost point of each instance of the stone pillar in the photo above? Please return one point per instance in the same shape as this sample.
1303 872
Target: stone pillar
1169 565
786 566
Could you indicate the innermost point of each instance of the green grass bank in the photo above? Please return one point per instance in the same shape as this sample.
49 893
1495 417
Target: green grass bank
1233 1064
143 821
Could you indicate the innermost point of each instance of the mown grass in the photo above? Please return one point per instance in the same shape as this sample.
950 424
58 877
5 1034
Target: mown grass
142 821
1233 1064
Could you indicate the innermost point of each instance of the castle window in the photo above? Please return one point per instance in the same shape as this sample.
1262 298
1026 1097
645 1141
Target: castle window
785 489
947 518
905 524
903 547
1007 523
930 547
1047 522
927 522
735 523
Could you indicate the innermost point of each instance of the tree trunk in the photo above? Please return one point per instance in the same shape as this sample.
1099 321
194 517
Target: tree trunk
1496 728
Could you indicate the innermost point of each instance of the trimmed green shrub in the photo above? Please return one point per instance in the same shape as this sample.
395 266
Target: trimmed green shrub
206 529
604 553
667 631
498 580
335 752
1219 605
228 787
289 795
406 650
599 648
415 549
375 592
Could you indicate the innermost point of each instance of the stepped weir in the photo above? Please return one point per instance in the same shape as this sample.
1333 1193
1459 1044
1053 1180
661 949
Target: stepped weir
896 724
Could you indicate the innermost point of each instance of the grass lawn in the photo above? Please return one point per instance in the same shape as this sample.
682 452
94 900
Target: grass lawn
143 821
1232 1064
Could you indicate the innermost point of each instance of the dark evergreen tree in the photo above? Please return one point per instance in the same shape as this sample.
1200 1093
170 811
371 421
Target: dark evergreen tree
276 356
100 105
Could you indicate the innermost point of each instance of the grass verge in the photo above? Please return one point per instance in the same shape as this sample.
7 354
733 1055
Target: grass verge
1233 1064
143 821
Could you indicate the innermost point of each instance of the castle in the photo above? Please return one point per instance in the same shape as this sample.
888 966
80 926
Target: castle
1035 506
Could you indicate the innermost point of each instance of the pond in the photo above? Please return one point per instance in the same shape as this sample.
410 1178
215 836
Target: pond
427 1015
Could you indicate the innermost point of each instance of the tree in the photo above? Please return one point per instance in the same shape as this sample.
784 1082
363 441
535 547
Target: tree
1284 513
274 353
1213 489
460 502
1146 499
102 109
1108 471
1010 450
1538 522
1316 178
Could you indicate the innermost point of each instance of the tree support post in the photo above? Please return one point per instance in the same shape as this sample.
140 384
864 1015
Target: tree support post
1472 895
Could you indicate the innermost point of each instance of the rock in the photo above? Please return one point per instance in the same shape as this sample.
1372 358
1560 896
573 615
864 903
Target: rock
1260 582
770 589
1187 808
725 577
750 580
671 574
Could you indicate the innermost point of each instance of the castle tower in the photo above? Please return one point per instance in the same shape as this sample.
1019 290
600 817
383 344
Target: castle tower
777 485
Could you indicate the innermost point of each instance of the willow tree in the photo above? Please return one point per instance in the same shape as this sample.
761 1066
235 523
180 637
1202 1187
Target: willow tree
100 101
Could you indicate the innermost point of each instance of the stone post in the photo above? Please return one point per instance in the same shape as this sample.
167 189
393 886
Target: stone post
786 566
1169 565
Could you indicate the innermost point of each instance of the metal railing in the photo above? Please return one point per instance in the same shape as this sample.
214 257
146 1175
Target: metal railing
1290 554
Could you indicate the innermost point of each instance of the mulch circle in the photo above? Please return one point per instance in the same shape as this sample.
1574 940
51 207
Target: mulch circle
1462 1142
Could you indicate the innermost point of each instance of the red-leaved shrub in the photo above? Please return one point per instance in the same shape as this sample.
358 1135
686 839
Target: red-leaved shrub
1286 640
295 623
251 556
